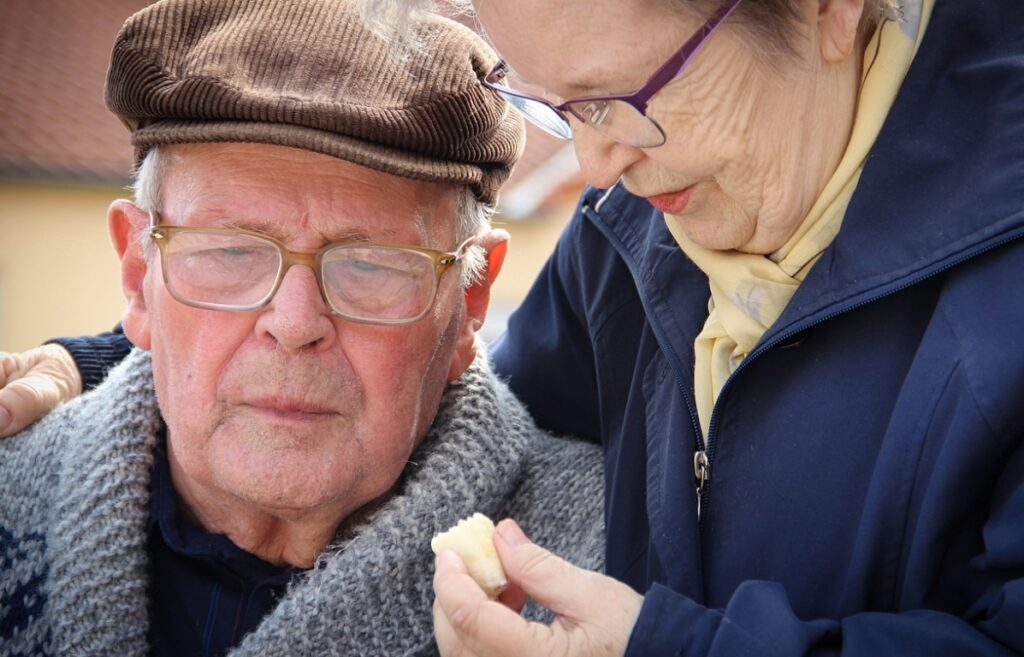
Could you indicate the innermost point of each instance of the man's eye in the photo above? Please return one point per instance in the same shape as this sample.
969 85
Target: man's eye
365 266
236 251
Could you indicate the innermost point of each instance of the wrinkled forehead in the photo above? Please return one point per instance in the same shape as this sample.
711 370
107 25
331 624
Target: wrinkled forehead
577 47
300 196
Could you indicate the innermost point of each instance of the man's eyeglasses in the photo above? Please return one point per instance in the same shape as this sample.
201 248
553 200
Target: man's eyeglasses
622 117
241 270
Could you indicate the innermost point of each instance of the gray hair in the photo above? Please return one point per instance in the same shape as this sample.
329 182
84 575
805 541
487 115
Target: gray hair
473 217
773 25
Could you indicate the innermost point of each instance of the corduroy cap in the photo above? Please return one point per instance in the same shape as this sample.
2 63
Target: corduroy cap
310 74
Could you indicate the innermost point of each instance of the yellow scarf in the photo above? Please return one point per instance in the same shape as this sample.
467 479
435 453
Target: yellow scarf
749 292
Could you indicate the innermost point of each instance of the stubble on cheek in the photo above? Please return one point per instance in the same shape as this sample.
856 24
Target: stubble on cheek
285 466
240 420
281 467
308 381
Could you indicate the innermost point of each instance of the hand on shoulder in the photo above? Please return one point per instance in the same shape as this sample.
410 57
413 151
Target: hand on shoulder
32 383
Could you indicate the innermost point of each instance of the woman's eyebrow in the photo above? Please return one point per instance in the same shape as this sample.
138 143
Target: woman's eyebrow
583 86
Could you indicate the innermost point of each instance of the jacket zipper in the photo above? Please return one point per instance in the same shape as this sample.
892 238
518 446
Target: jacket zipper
659 333
701 472
704 452
704 475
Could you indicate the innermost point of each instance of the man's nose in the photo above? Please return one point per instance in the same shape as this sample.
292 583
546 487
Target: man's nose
297 317
602 160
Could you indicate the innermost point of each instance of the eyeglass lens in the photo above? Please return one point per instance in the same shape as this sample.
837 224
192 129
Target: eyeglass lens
240 271
543 116
378 282
619 120
614 118
221 269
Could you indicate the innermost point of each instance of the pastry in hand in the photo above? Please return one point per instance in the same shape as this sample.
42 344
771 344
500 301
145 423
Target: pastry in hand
472 539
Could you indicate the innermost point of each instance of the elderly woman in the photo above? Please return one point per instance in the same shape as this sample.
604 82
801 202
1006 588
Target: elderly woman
790 311
789 308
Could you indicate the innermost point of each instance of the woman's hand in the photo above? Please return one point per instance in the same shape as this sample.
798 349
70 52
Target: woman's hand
595 614
32 383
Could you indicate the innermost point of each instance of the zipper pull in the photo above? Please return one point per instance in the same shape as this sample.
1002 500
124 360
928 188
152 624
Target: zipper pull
702 471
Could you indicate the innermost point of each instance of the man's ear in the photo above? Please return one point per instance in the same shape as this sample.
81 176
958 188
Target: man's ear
478 298
126 223
838 23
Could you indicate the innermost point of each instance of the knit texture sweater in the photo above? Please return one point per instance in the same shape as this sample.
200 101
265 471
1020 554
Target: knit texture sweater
74 500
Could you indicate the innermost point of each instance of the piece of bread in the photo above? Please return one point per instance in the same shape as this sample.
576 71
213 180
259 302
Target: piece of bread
472 539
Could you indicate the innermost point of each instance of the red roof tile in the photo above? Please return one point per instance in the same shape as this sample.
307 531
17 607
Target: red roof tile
53 62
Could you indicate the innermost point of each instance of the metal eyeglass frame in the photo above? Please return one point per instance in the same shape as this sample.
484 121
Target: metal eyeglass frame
639 99
162 235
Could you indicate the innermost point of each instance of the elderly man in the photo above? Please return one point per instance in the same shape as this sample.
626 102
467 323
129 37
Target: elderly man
306 264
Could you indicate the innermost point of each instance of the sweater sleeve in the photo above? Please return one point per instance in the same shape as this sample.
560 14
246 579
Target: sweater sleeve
759 620
96 354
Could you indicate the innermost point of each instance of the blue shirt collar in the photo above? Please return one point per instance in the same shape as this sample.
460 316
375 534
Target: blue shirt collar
189 540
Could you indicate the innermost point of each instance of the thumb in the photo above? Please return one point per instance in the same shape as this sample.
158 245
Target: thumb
550 580
35 382
25 400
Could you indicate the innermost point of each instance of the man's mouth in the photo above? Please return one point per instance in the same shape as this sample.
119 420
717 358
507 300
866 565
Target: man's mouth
672 202
287 409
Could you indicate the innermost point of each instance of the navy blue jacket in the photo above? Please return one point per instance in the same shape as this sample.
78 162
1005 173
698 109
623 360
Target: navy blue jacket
866 491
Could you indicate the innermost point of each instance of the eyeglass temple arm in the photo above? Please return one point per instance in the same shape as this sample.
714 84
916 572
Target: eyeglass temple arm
675 65
448 259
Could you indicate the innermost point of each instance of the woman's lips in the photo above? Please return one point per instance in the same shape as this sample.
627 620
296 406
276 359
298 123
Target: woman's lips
672 202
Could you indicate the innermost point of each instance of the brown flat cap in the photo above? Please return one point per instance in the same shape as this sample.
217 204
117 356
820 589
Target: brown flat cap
310 74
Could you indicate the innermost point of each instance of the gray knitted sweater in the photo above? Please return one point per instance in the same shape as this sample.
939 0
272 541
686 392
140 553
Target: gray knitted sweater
74 496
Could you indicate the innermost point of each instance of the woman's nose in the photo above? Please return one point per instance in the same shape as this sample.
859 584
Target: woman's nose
602 160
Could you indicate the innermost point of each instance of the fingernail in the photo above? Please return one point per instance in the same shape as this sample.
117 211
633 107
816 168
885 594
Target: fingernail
511 533
447 559
5 418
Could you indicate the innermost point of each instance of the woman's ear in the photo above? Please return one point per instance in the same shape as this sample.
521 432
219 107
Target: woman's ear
478 298
127 223
838 28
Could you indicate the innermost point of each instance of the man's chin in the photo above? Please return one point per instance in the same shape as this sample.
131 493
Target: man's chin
286 487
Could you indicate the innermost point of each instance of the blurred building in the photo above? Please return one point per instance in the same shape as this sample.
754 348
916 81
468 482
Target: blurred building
64 158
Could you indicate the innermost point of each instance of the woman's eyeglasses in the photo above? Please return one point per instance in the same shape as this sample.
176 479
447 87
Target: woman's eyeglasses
621 117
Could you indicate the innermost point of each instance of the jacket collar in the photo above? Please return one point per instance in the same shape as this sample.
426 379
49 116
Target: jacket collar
944 182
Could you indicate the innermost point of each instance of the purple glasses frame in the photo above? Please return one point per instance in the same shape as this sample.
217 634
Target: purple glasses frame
638 100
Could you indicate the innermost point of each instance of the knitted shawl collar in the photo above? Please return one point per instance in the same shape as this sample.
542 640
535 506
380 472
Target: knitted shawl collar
369 594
